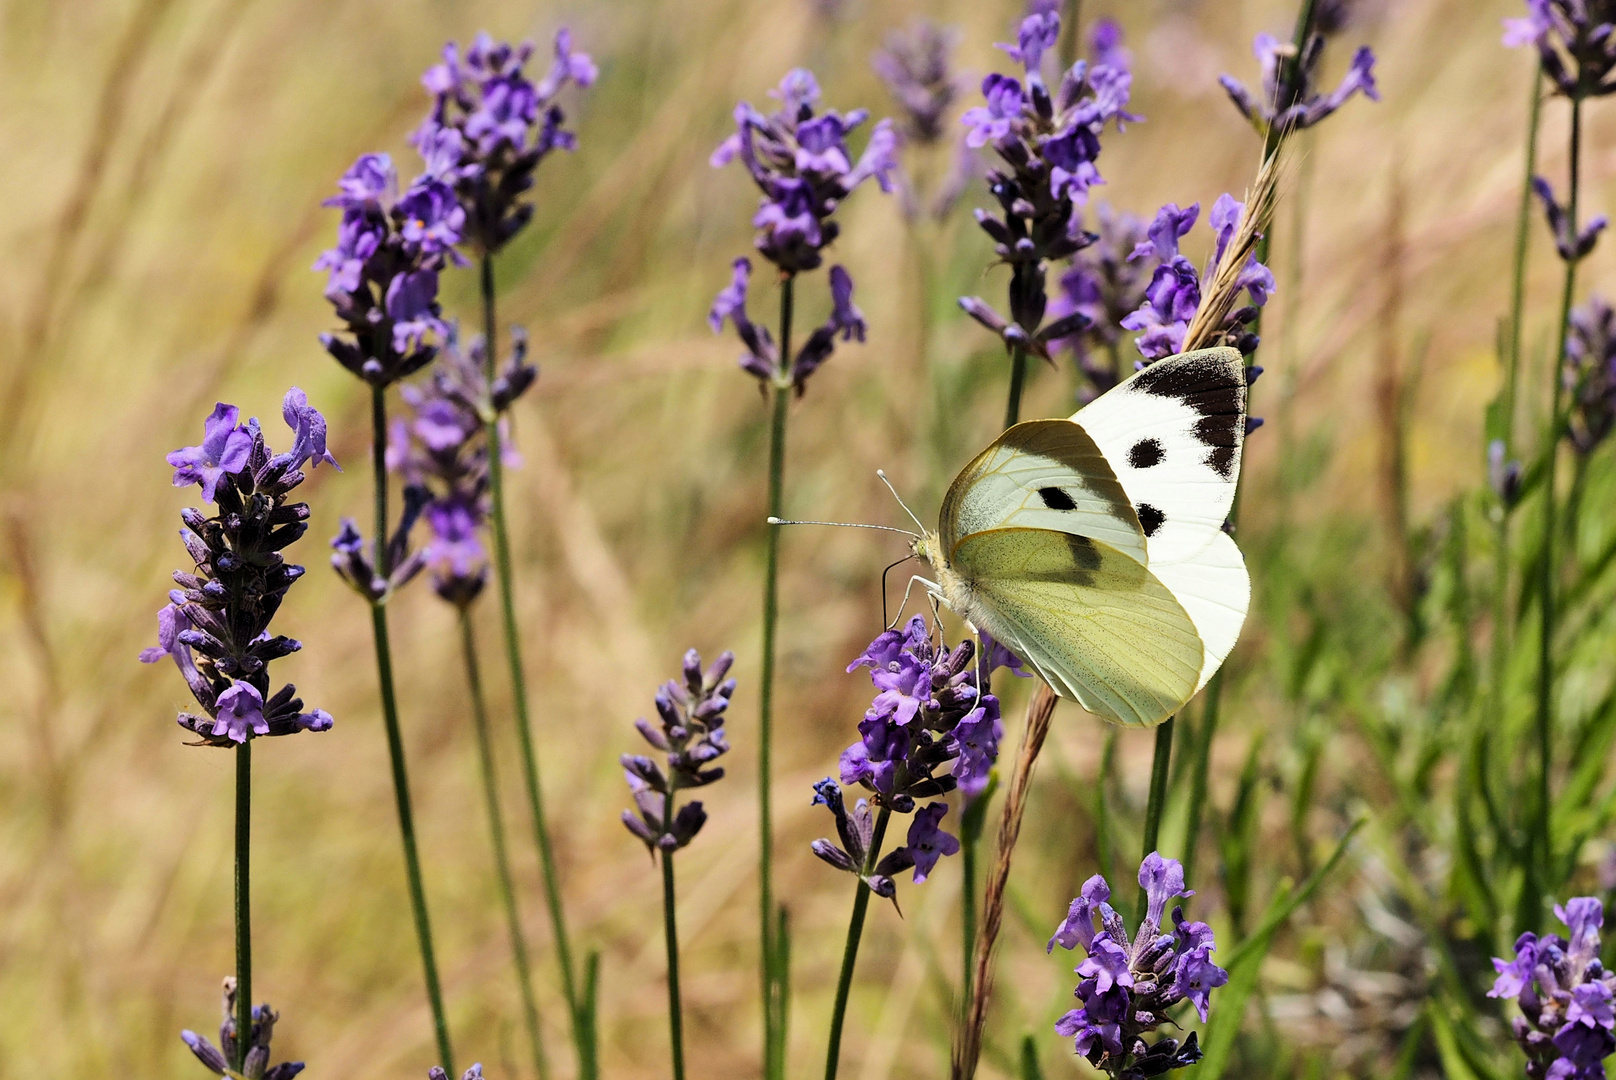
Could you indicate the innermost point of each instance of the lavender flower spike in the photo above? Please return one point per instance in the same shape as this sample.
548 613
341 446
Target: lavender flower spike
1590 375
1126 988
1573 39
691 737
1298 105
256 1066
216 625
473 1073
1567 1025
915 66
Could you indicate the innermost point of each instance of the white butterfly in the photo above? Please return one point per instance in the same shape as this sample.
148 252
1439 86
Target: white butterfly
1093 547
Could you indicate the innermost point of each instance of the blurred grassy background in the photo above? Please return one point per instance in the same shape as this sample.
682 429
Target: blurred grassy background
164 162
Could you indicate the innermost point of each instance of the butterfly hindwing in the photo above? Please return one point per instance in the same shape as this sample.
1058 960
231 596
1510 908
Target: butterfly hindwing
1094 623
1173 434
1043 474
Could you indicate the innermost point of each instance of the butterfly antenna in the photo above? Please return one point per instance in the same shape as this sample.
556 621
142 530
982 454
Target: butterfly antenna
846 525
885 622
920 524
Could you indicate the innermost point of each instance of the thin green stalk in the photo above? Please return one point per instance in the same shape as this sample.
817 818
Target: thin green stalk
1103 839
496 831
1210 714
395 741
1523 245
582 1036
967 914
1545 675
773 1022
676 1023
243 903
1159 767
1018 376
855 930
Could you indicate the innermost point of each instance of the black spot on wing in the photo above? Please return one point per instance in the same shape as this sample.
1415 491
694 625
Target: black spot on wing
1085 555
1056 499
1145 453
1150 518
1216 391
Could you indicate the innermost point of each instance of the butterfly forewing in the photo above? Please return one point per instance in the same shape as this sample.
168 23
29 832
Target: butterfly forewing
1173 434
1044 474
1095 623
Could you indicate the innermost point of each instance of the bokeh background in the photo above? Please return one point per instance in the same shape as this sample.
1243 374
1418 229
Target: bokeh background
161 166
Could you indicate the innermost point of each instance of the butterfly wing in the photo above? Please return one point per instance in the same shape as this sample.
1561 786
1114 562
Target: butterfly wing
1043 474
1173 434
1094 623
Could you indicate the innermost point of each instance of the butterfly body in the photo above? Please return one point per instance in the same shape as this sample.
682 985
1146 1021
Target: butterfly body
1093 547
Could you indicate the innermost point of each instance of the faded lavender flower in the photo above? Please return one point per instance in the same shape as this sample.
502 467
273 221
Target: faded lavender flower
442 453
1047 146
215 626
1128 987
762 359
256 1065
1298 104
490 127
1567 1025
915 65
1106 283
1503 474
801 163
1590 374
383 273
691 737
1174 294
1576 41
1570 248
473 1073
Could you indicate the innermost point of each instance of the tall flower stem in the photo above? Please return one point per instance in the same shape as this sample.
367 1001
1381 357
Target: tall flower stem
1159 770
395 739
1018 377
670 927
243 903
855 930
1547 567
1210 714
774 1020
496 831
578 1009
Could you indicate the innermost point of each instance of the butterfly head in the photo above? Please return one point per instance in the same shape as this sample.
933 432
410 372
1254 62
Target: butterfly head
927 547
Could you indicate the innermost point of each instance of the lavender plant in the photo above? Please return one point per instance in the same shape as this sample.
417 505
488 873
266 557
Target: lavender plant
442 452
1047 147
383 284
1128 988
1567 1022
216 625
489 129
691 738
245 1058
929 713
801 164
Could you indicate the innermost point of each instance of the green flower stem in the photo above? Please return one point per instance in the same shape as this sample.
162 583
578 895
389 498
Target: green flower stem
967 915
1159 768
1523 244
670 926
1203 761
1545 674
855 930
1018 377
243 903
577 1010
1104 842
395 740
773 992
496 831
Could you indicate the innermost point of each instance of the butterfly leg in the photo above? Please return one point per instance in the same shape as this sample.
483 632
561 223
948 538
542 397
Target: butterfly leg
932 590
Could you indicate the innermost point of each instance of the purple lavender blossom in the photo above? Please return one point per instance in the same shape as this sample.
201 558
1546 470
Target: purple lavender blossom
1174 294
383 273
1567 1025
1570 248
1298 104
1047 146
256 1065
1590 374
1575 40
927 842
216 625
490 128
691 737
915 65
762 358
801 164
1106 283
1126 988
473 1073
